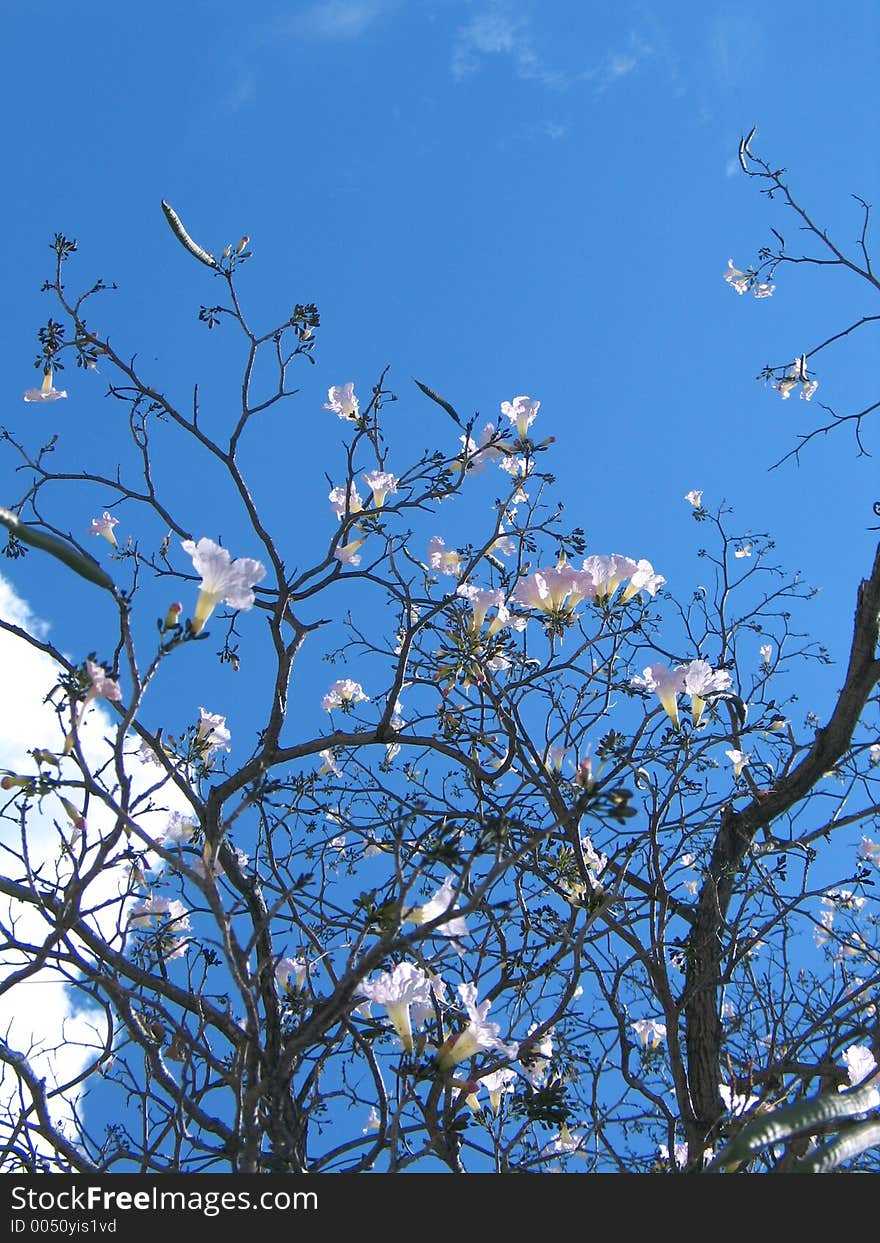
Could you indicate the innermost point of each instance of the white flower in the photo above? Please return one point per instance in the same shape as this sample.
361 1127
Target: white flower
212 733
179 830
104 526
695 496
46 391
373 1122
521 412
478 1036
860 1063
342 401
739 759
287 969
222 579
649 1030
344 694
328 763
734 1103
680 1154
496 1084
381 483
397 991
440 904
870 851
701 681
173 913
337 498
442 559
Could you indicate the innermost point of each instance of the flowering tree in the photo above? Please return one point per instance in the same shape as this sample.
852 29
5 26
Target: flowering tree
543 873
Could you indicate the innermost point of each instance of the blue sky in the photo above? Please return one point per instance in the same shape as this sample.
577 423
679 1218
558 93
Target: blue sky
498 198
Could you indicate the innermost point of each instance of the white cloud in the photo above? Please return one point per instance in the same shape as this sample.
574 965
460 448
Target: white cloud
497 32
43 1015
342 19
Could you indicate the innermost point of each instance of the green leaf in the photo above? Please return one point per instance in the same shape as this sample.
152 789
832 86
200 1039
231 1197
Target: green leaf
797 1119
75 560
851 1143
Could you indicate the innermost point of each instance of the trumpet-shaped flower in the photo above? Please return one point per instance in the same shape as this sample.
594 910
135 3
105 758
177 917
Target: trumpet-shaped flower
521 412
342 401
328 763
166 911
476 454
347 554
610 571
666 683
797 374
649 1031
397 991
739 759
497 1084
344 694
870 851
479 1035
860 1063
643 578
381 483
734 1102
373 1123
337 499
291 973
442 559
695 496
46 391
222 579
701 681
442 903
481 600
104 526
736 279
211 735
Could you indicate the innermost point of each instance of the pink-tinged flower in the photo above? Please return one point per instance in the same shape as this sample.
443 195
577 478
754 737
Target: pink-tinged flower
381 483
101 687
518 468
481 600
442 903
701 681
521 412
178 831
212 734
870 851
290 973
397 991
344 694
479 1035
502 546
823 931
739 760
736 279
643 578
554 759
765 651
554 590
46 391
680 1154
666 683
763 289
443 560
222 579
695 497
649 1031
342 401
172 617
347 554
476 454
796 375
860 1063
744 551
337 498
609 572
104 526
373 1123
173 913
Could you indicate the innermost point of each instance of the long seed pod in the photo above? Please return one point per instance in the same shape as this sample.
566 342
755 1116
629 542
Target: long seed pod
83 565
184 238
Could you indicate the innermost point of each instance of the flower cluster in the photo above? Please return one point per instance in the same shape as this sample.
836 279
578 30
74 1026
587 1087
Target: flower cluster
747 282
796 375
697 679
